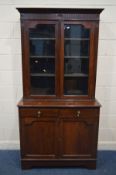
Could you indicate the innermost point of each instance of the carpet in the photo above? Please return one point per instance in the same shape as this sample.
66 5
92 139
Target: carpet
10 165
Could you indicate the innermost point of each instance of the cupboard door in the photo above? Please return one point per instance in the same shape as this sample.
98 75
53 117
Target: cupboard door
38 135
77 55
41 55
79 135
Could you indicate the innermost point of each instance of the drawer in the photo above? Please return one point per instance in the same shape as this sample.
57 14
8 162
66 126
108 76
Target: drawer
37 112
79 112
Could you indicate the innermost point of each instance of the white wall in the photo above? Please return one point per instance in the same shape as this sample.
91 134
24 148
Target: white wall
10 67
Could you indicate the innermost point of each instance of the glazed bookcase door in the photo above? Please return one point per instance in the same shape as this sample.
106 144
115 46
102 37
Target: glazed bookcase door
41 38
77 55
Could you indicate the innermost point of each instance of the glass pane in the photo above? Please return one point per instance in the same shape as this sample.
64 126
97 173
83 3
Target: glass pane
76 59
42 59
75 86
75 31
43 31
42 47
73 47
42 65
75 65
42 85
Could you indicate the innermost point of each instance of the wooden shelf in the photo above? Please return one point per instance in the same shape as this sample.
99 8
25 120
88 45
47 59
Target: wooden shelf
78 39
76 75
42 75
78 57
34 38
42 91
74 92
36 56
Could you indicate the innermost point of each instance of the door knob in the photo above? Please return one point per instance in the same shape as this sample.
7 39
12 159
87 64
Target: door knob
78 113
39 113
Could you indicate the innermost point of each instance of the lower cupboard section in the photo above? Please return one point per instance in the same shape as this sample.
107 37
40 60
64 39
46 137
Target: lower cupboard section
58 137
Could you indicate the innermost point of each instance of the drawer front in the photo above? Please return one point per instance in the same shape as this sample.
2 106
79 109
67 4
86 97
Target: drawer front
79 112
65 112
38 112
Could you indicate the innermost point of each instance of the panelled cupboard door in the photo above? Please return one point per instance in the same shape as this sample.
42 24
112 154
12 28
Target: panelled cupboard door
40 64
38 134
78 135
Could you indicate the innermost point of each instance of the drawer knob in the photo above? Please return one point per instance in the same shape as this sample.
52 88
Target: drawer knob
78 113
39 113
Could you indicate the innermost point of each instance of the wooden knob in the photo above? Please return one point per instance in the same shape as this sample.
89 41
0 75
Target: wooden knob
39 113
78 113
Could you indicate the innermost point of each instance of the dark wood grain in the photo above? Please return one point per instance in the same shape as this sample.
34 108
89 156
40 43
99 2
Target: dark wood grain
58 103
61 10
59 130
59 133
59 59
